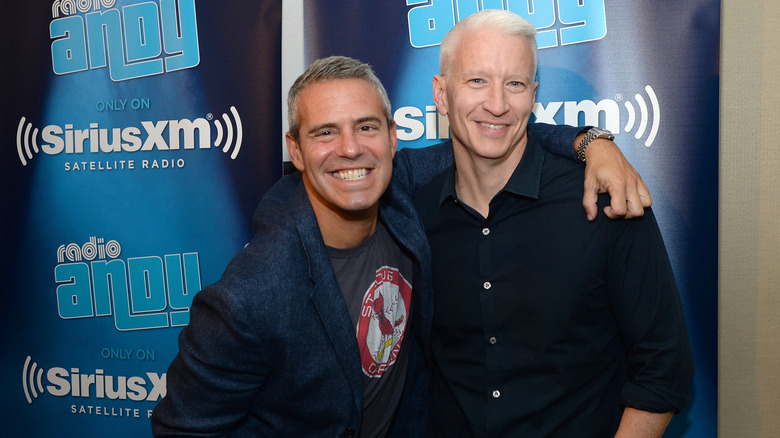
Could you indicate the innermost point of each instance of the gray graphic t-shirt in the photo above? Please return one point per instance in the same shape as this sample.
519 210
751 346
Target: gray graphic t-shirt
375 279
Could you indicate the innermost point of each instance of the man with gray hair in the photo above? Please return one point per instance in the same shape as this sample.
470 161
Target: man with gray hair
320 326
545 324
309 331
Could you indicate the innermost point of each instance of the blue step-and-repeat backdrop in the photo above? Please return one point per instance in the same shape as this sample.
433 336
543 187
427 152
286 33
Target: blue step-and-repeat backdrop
138 136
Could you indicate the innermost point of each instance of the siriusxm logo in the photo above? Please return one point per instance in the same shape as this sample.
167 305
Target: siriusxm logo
592 113
410 126
134 41
643 117
163 135
141 292
63 382
576 22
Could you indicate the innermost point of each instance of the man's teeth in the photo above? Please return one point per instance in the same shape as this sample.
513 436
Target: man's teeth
352 174
488 125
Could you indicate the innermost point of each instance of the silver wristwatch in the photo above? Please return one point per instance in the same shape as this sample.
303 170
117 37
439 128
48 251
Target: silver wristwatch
592 133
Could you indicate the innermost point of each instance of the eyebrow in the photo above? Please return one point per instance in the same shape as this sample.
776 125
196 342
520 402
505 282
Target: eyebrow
321 127
368 119
476 72
331 125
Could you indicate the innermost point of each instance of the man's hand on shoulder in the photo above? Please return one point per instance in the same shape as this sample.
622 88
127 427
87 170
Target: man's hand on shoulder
608 171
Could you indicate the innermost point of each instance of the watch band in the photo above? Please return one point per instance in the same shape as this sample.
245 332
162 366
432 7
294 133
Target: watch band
593 133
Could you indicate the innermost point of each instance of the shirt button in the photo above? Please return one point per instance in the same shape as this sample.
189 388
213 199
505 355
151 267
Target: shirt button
493 340
496 393
486 231
487 285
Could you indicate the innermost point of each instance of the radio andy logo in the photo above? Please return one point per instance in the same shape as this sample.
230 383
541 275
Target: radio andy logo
560 22
140 292
133 41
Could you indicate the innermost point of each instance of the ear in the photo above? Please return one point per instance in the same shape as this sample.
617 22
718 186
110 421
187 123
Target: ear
294 149
536 87
440 94
393 132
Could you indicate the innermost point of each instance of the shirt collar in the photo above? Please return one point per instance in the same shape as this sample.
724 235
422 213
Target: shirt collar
524 180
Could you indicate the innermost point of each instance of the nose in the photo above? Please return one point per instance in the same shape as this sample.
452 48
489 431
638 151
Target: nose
350 146
495 101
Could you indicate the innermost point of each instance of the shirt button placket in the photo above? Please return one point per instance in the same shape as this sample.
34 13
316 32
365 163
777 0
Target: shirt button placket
485 231
493 353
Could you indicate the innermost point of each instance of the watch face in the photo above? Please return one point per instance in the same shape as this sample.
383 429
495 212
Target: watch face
602 133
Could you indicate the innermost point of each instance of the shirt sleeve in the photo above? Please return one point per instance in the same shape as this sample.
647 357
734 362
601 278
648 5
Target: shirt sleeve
648 310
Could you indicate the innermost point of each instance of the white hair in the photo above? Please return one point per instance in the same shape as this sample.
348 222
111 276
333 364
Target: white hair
504 21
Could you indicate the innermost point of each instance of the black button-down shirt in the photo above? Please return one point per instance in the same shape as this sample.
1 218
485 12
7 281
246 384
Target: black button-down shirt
546 324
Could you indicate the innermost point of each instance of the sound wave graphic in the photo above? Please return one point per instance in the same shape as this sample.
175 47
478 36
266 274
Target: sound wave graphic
32 378
229 133
24 141
644 116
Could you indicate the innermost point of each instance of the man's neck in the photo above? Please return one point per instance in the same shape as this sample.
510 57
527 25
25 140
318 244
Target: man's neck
479 179
345 232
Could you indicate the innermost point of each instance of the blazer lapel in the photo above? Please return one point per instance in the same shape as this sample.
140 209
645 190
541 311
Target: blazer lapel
399 216
327 298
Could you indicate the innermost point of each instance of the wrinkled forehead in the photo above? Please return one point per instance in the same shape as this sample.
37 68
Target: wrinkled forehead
489 49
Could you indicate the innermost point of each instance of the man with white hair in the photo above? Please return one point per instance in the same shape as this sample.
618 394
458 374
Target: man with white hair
545 324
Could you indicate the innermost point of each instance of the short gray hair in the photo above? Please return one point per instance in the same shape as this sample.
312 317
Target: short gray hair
330 69
506 22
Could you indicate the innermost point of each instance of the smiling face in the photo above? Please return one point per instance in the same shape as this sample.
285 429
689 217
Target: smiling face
488 94
344 150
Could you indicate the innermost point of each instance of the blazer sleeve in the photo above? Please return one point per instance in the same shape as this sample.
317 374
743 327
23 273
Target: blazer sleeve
558 139
414 168
217 373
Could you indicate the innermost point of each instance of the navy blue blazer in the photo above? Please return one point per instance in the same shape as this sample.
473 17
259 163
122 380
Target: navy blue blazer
270 349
